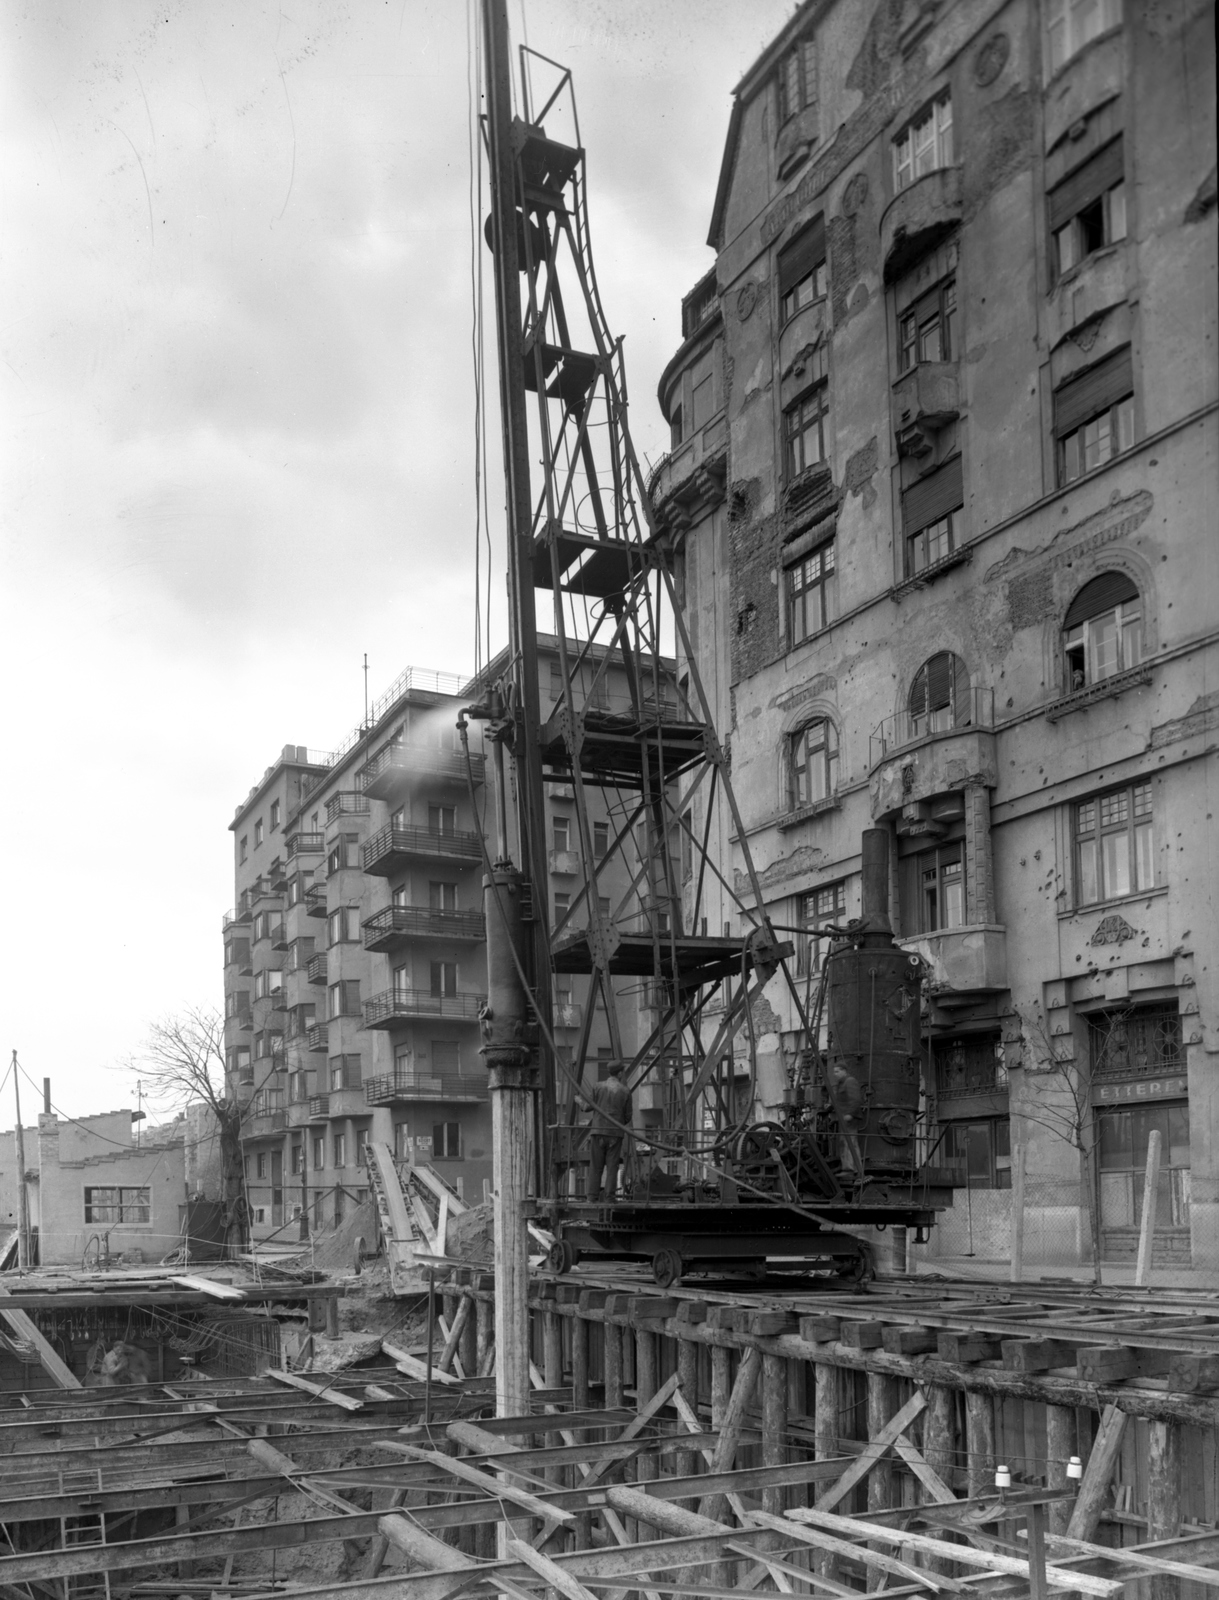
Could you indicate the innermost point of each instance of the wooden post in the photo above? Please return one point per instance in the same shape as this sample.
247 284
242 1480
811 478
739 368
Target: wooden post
484 1319
467 1344
613 1367
1018 1162
580 1401
883 1405
332 1316
552 1371
721 1384
1094 1485
774 1427
980 1442
739 1402
687 1376
646 1383
827 1393
939 1431
1163 1492
1147 1222
1060 1446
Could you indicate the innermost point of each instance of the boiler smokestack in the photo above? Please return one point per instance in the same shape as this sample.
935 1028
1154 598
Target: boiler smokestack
875 907
46 1096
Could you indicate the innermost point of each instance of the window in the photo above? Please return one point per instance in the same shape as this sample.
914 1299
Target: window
446 1141
806 425
1094 416
442 819
562 833
345 1072
603 905
1088 208
928 330
702 393
1103 630
562 904
1123 1137
939 696
981 1151
242 1065
814 763
931 516
798 79
242 850
402 1140
925 144
294 892
400 895
814 912
402 1059
937 878
260 1164
296 1159
1141 1043
343 925
117 1206
600 839
442 896
344 998
444 979
274 815
808 594
446 1055
319 1152
258 833
344 852
1113 845
801 270
339 1147
1071 24
970 1066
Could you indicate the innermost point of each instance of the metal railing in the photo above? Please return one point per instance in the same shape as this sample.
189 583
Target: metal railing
315 972
422 761
424 1086
420 842
315 900
317 1036
974 709
305 844
347 803
421 1003
421 922
319 1106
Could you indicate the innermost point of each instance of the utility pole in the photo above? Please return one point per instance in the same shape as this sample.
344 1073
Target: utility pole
23 1199
510 1054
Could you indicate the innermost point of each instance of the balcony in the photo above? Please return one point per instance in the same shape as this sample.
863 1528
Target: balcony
315 900
566 863
240 915
966 963
315 972
690 481
305 844
390 850
396 766
319 1107
451 1087
317 1038
918 218
262 1125
917 758
400 1005
925 399
397 924
347 803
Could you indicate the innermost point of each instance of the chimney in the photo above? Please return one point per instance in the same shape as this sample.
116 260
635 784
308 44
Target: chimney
875 906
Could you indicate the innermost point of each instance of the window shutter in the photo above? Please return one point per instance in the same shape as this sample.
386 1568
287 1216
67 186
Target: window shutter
799 258
1102 594
1093 391
934 496
1086 183
939 681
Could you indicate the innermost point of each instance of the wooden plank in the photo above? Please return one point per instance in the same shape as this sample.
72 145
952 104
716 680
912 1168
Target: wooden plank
1113 1363
658 1401
320 1391
862 1335
967 1555
914 1341
412 1367
940 1493
423 1548
1037 1355
1127 1556
832 1543
207 1286
498 1488
1194 1374
567 1583
820 1329
875 1449
49 1359
1163 1494
1147 1221
730 1428
1094 1485
1019 1156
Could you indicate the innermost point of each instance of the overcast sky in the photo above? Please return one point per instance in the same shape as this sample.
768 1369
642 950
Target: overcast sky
238 424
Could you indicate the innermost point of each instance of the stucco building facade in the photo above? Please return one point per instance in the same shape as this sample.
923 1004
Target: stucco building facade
942 492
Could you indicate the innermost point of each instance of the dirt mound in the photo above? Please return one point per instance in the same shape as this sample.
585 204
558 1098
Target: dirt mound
336 1355
471 1237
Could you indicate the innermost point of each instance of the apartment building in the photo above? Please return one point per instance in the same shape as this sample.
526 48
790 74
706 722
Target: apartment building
941 491
355 959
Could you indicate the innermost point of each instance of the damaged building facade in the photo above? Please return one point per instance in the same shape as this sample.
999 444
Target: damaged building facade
941 495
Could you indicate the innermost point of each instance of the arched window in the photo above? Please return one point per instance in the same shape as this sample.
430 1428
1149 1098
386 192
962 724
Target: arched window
1103 631
814 762
939 696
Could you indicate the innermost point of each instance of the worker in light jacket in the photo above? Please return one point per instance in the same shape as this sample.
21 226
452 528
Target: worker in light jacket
611 1103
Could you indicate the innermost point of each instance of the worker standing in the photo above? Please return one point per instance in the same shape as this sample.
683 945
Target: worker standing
611 1103
848 1103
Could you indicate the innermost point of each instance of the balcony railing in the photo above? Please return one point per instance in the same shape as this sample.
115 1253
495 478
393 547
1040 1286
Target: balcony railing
305 844
398 923
384 1009
319 1107
392 847
450 1086
317 1037
975 709
315 900
395 764
315 972
347 803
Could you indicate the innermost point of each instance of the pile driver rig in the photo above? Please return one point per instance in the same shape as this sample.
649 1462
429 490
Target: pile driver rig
721 1190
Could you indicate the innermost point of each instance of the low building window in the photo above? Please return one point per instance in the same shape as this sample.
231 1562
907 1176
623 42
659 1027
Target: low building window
274 815
1071 24
1123 1137
969 1066
446 1141
932 514
1103 630
801 270
816 913
319 1152
1140 1043
939 696
444 979
1094 416
442 896
113 1206
600 839
808 593
1088 208
925 144
806 424
980 1151
928 330
258 833
813 761
339 1145
1114 850
798 79
941 888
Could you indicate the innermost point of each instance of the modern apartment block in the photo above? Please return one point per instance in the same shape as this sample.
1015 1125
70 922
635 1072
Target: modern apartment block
942 489
355 959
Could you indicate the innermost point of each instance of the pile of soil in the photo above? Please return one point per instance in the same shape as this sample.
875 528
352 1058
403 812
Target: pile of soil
471 1237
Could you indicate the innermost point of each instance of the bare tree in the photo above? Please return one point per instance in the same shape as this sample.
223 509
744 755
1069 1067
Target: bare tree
181 1064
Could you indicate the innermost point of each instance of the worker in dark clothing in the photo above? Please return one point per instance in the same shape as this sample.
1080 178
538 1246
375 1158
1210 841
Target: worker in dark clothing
848 1103
611 1102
